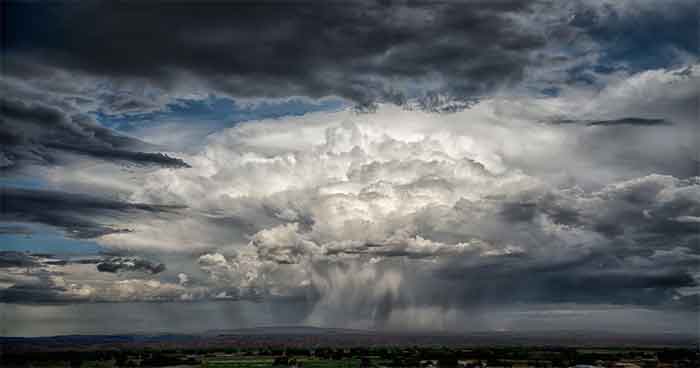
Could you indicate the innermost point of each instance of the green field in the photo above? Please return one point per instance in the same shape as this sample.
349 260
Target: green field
237 363
266 362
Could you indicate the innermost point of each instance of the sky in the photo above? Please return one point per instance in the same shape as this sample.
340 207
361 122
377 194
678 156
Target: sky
386 165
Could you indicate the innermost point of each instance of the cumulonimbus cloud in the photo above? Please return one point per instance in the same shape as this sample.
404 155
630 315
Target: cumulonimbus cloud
523 158
281 204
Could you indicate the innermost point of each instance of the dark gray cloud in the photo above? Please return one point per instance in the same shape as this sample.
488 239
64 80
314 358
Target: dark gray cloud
590 278
130 264
644 253
35 293
37 286
16 259
15 230
81 216
631 121
35 133
633 209
362 51
12 259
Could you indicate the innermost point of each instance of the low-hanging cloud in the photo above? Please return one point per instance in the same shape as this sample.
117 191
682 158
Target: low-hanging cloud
44 135
130 264
79 215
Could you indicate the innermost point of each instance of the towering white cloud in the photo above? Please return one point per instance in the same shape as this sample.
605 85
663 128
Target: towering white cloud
374 218
278 207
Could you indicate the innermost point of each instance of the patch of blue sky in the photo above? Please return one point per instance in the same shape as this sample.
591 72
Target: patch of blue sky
225 112
36 238
648 41
22 182
550 91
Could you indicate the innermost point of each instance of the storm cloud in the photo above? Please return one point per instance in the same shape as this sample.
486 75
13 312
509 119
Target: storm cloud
130 264
33 133
364 51
16 259
622 121
77 214
433 212
506 157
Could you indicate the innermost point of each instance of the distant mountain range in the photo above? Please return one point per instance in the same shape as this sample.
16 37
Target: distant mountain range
308 336
289 330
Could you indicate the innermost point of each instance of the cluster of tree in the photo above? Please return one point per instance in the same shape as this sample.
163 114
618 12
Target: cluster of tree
415 356
119 358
